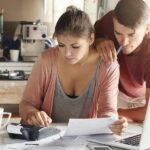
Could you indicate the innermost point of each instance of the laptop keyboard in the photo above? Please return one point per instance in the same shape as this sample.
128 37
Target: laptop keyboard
134 140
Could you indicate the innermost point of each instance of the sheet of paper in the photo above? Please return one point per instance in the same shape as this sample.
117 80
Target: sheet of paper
78 127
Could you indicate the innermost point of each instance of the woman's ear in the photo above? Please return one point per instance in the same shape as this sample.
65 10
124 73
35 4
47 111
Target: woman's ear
91 39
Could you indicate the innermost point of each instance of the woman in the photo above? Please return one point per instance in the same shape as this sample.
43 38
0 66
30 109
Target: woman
70 80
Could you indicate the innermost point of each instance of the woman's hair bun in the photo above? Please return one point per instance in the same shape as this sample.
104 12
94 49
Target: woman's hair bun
72 8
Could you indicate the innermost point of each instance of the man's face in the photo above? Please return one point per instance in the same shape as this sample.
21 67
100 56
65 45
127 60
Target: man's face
129 38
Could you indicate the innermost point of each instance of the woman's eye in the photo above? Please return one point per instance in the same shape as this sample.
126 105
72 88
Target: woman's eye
60 45
76 47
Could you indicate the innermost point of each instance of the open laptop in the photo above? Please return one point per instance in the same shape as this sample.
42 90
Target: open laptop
133 142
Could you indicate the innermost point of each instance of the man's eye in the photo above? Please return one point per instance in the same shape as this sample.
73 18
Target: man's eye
131 35
117 33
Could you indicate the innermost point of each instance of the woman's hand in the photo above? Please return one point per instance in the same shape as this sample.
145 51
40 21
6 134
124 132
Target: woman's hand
39 118
119 126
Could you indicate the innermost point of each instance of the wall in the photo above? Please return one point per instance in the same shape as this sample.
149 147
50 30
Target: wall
26 10
32 10
148 2
91 7
105 6
60 8
29 10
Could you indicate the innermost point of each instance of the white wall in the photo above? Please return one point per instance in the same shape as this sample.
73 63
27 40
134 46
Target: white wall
91 8
61 5
32 10
105 6
148 2
28 10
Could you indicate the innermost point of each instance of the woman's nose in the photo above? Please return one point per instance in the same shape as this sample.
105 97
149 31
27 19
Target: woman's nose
67 52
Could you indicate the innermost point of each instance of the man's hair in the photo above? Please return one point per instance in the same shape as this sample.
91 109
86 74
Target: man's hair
75 22
132 13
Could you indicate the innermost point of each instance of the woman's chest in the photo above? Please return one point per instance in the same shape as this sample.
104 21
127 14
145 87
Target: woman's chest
74 80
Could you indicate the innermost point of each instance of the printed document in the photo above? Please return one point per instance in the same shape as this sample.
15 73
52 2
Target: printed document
77 127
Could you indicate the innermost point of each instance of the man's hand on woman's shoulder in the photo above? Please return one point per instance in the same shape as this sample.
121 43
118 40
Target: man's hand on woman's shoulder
106 49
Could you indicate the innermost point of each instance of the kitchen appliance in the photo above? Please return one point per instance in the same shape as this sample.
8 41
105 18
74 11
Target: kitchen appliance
12 75
22 131
32 36
15 70
32 42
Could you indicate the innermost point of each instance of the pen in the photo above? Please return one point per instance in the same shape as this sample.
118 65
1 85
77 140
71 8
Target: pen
119 49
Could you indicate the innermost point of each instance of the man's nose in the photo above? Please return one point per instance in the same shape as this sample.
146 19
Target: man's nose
124 41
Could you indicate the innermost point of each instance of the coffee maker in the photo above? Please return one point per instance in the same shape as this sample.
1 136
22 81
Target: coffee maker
32 36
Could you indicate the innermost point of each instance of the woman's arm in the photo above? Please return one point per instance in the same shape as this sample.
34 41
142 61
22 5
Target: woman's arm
32 96
109 80
109 97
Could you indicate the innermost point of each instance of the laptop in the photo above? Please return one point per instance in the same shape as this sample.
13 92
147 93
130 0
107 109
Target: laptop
134 141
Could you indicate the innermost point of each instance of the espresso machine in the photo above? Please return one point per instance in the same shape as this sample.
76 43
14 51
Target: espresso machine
32 36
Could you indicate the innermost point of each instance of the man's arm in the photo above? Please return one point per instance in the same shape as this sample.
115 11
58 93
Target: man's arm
136 114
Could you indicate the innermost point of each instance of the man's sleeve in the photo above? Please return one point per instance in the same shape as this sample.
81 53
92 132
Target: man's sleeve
147 69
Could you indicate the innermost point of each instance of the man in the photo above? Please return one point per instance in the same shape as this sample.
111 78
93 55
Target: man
127 27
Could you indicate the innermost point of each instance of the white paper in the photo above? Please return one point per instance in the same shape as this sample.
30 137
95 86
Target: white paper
78 127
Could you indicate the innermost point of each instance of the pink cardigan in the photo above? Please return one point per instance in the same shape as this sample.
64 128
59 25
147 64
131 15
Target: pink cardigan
39 92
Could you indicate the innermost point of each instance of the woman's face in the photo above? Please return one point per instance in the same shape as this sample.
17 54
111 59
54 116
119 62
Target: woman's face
73 49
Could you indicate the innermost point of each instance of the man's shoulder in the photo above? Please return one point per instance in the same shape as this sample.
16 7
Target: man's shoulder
146 44
110 13
108 16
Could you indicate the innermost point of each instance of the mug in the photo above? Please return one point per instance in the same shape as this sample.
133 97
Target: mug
14 54
1 52
1 117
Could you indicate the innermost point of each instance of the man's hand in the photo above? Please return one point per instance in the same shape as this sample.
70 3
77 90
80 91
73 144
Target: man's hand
106 49
119 126
39 118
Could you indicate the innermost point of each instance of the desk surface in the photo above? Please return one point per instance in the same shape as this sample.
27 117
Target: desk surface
64 143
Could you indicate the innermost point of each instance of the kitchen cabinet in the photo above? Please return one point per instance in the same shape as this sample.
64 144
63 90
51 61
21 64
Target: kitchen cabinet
11 90
11 94
11 87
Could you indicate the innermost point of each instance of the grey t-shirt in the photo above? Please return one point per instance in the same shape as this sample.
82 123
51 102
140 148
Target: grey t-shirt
65 107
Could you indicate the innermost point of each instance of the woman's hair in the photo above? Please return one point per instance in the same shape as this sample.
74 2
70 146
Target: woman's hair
132 13
74 22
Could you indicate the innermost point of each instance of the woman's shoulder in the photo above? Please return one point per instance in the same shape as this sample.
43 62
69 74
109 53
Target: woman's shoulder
109 67
49 54
47 60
